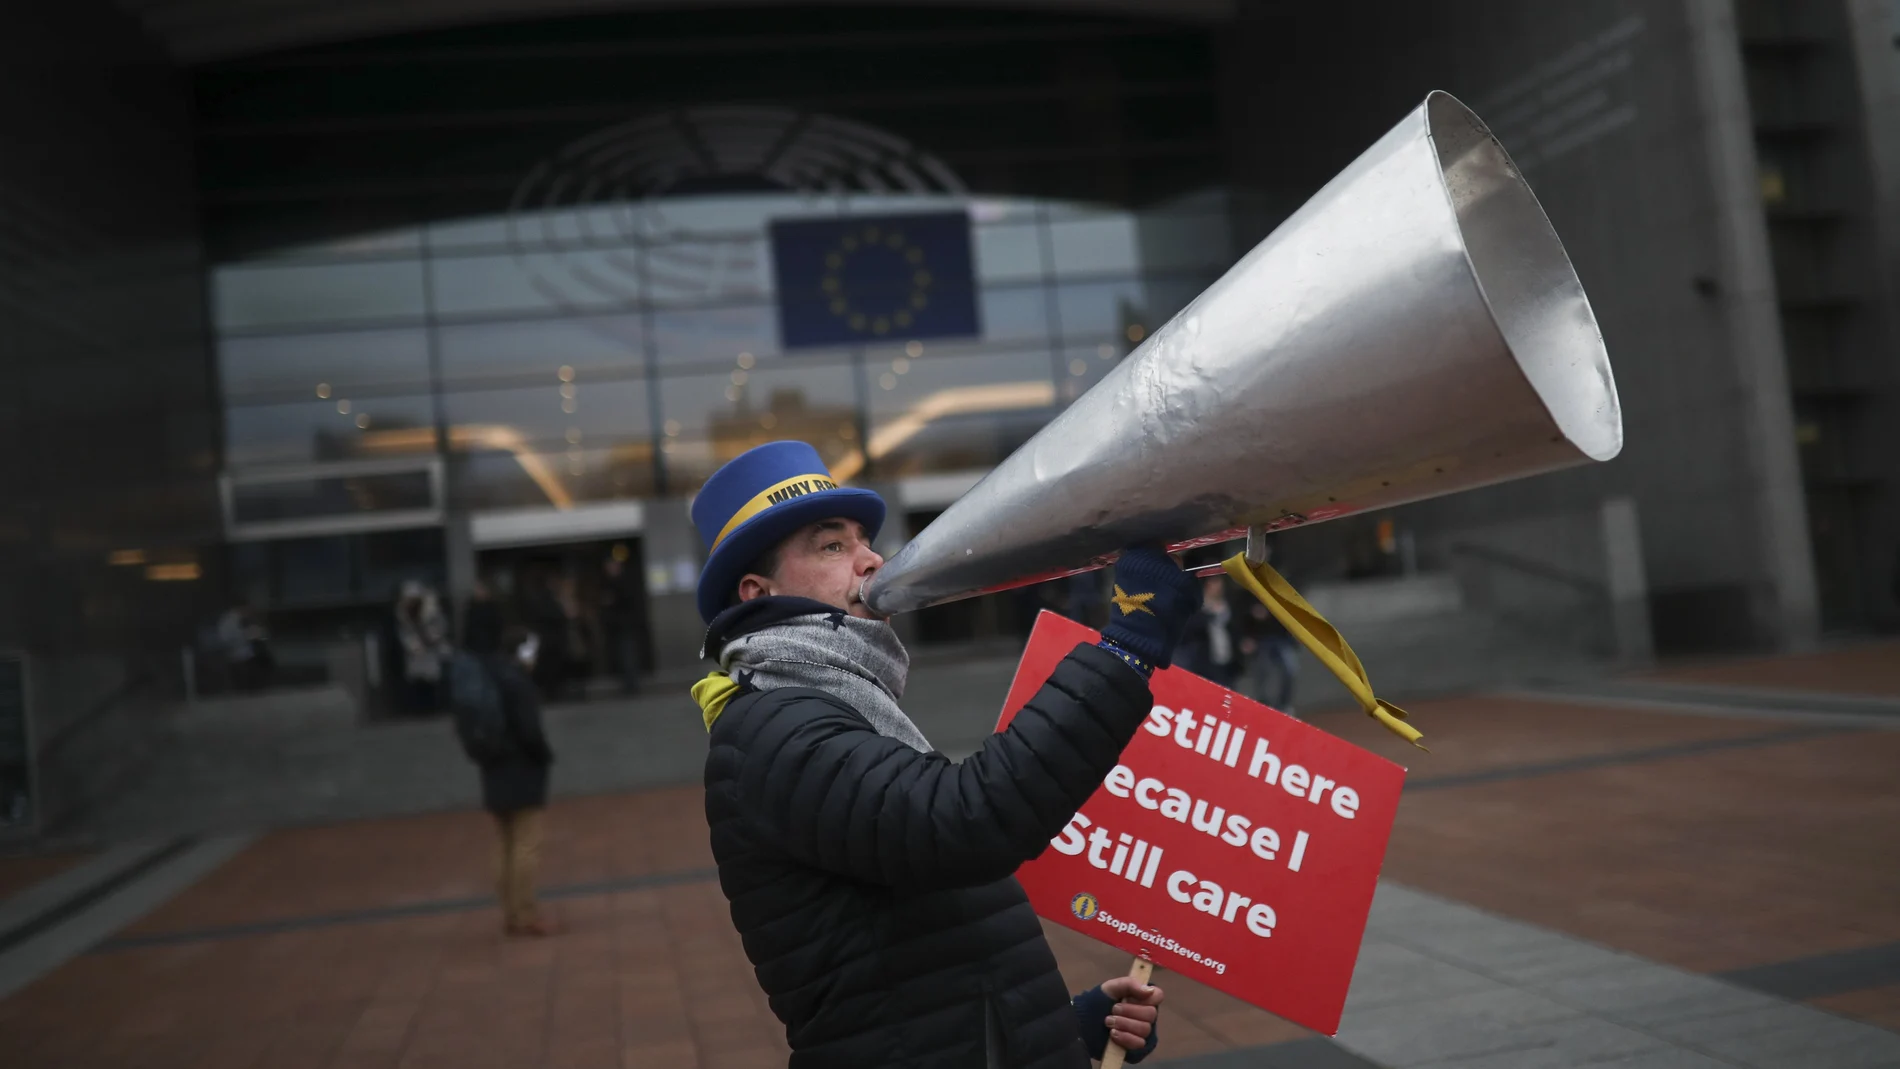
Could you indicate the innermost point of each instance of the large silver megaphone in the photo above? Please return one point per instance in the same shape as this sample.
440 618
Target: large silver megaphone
1414 330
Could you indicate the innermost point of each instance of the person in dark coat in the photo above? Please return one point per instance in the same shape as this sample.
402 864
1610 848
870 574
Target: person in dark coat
1209 647
515 785
481 620
869 876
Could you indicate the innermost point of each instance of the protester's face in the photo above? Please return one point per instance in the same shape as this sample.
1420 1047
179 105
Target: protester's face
826 561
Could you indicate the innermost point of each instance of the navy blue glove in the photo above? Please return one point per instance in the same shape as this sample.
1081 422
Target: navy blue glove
1092 1010
1153 603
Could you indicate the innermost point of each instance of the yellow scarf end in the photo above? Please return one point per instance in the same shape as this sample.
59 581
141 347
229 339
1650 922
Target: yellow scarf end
712 694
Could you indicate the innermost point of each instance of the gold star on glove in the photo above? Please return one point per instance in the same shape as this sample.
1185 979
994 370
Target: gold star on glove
1132 603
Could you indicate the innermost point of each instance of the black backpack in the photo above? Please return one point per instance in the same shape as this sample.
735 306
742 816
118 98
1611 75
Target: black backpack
481 722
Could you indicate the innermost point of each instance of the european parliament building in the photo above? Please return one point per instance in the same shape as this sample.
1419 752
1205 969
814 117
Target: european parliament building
305 300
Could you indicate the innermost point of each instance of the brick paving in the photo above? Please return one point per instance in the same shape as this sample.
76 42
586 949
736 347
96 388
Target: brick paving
1875 1005
1710 861
1863 668
22 871
640 977
1747 845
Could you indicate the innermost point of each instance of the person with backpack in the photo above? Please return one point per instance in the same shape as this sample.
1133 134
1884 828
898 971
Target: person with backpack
497 714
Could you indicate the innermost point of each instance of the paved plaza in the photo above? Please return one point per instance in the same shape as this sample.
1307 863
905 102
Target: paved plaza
1576 878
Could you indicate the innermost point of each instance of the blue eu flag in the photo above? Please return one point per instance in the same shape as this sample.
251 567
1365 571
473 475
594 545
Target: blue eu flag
866 279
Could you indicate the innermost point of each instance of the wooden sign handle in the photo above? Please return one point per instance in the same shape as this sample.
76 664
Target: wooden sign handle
1113 1054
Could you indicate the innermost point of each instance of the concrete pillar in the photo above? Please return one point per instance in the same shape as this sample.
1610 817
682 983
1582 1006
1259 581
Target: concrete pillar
1628 580
458 546
1873 28
1873 31
458 540
1787 610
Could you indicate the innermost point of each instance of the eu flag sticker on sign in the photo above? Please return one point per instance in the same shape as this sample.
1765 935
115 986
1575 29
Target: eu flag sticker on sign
865 279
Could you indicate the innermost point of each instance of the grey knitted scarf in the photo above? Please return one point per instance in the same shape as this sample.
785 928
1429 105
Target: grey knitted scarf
860 661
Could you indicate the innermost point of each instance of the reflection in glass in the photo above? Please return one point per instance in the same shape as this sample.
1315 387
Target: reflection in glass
1102 244
496 477
536 415
1014 312
582 280
715 335
302 431
559 297
1083 366
1166 295
1102 309
1008 253
1196 239
683 272
716 418
331 495
273 295
526 350
942 412
321 364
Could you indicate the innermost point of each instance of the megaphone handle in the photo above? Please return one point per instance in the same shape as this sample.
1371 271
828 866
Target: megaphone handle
1256 553
1112 1055
1256 544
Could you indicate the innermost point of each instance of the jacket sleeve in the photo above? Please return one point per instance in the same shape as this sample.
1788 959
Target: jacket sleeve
813 777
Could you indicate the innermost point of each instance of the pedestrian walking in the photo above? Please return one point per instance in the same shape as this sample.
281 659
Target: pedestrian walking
870 876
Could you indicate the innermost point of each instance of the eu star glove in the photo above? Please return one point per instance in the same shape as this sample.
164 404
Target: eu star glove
1154 600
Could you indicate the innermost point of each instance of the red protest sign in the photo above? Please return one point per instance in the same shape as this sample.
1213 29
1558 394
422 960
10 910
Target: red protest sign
1233 844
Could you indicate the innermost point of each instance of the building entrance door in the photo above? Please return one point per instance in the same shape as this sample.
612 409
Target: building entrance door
585 603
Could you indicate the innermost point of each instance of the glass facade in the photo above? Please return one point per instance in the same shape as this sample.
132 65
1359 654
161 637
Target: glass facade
609 352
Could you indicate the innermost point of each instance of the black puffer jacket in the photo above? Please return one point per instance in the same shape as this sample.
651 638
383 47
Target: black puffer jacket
872 884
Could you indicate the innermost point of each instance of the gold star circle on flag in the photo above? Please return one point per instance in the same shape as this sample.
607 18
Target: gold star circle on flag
870 319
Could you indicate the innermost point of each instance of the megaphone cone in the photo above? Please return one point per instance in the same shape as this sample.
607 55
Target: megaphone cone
1414 330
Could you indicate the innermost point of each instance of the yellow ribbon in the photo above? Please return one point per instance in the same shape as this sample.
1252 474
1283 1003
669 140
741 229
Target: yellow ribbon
1306 624
712 694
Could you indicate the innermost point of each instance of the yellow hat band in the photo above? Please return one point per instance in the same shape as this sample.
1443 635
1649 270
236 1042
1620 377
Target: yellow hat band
777 493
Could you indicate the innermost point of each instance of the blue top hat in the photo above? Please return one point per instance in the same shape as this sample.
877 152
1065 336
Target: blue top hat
759 498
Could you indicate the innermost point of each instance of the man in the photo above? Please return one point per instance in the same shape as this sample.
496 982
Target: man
513 754
869 876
